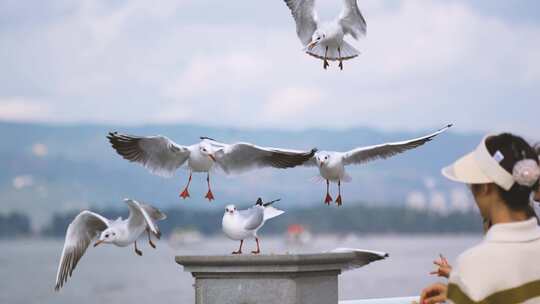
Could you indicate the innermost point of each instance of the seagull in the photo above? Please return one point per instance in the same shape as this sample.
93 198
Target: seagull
239 225
332 164
325 41
87 225
162 156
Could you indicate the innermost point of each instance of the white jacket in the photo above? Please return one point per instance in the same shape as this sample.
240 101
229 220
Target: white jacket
504 268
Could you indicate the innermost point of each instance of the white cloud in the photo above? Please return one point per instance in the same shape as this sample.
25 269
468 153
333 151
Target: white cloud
22 109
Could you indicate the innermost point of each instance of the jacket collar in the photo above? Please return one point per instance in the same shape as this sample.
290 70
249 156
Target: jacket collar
523 231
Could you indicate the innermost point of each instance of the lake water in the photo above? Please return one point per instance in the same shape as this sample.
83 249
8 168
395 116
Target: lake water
116 275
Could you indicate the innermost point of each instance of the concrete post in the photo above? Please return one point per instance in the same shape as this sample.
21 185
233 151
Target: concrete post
272 279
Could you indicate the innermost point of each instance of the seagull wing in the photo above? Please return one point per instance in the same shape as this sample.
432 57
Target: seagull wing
80 232
241 157
140 214
158 154
303 12
366 154
351 19
253 217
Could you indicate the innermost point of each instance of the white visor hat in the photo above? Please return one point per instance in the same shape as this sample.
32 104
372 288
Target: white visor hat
480 167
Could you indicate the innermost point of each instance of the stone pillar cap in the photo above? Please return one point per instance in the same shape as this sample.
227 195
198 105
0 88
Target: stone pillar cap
337 260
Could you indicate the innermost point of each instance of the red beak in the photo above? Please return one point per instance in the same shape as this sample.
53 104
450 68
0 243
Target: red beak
98 242
212 157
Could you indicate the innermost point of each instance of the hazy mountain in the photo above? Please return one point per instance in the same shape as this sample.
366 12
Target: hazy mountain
49 168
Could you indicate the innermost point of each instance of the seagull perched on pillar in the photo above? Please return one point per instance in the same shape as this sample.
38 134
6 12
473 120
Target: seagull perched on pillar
332 164
325 41
239 225
162 156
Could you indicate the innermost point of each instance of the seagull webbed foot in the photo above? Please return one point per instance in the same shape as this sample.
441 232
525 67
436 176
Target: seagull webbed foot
237 252
137 251
256 252
328 199
338 200
184 194
325 64
209 195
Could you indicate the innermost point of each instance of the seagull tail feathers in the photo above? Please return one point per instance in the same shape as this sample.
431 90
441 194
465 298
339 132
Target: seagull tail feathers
347 52
271 212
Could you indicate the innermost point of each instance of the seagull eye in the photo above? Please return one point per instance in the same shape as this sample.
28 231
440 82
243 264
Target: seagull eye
106 235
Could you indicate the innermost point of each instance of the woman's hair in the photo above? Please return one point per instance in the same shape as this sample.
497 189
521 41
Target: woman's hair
513 148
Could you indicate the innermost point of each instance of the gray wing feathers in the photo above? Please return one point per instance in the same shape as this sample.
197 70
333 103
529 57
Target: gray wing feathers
303 12
253 217
158 154
140 213
351 19
81 231
243 156
366 154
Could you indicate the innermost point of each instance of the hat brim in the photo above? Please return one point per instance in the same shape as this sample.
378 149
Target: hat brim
466 170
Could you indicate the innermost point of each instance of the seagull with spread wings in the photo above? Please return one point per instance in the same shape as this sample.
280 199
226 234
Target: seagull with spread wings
87 225
162 156
332 164
325 41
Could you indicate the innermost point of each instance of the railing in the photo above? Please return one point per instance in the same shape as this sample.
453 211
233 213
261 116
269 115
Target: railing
404 300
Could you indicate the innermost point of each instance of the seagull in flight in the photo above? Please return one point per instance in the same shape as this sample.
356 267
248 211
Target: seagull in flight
239 225
332 164
162 156
325 40
87 225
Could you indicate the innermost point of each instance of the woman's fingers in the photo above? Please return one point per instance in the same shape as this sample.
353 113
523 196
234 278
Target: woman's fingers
435 293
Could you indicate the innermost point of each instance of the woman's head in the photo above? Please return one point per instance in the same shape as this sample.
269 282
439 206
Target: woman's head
503 171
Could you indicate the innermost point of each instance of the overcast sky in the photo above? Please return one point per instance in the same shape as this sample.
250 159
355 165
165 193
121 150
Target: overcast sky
240 64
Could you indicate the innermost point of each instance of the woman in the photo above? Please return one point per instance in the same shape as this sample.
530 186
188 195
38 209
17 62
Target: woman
502 173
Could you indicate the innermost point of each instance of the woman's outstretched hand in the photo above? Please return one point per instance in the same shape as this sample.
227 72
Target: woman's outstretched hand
443 269
435 293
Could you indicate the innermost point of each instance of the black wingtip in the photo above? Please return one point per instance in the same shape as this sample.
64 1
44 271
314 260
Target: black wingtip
271 202
205 137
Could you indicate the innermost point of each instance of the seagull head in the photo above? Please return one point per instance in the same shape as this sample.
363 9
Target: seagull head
207 150
108 235
322 159
317 37
230 209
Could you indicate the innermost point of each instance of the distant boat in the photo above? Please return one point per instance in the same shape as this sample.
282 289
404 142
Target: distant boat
182 236
298 235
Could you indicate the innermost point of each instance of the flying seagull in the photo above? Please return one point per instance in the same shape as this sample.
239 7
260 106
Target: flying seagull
239 225
325 41
87 225
332 164
162 156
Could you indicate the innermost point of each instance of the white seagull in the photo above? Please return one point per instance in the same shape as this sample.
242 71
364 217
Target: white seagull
325 41
239 225
87 225
163 156
332 164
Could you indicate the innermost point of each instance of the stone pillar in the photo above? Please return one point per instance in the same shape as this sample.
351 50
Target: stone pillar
272 279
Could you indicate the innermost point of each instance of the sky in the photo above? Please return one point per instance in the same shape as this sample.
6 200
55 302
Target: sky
239 64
